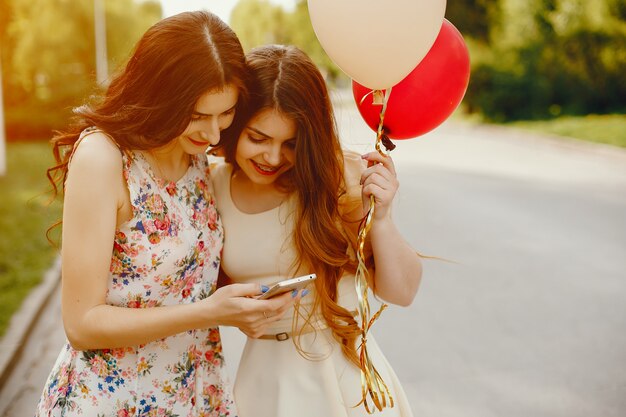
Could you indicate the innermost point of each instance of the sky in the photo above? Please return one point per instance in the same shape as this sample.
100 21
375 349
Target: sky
222 8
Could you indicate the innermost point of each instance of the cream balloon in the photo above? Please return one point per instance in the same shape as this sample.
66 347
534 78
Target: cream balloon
377 42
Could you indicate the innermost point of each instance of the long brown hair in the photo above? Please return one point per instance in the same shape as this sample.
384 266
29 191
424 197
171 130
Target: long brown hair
285 79
150 101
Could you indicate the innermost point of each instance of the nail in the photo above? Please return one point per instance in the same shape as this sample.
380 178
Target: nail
305 292
294 293
364 156
264 288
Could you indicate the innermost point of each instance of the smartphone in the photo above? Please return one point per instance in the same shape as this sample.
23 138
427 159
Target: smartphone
287 285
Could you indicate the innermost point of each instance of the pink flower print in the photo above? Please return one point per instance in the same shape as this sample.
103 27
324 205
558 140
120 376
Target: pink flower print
201 254
208 355
123 413
211 390
116 266
221 408
117 248
134 303
98 366
132 251
155 204
63 389
212 219
118 353
149 227
73 378
183 393
162 224
154 238
201 184
214 335
171 188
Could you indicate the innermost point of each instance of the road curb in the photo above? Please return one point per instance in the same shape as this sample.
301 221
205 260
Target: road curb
24 319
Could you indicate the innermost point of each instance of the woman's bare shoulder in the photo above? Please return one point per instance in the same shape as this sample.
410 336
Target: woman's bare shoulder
97 151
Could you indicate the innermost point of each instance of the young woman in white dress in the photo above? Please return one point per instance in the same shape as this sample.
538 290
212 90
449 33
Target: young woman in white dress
291 201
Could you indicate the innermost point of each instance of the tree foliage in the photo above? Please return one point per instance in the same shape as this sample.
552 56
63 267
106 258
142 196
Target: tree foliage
546 58
473 18
530 58
259 22
48 56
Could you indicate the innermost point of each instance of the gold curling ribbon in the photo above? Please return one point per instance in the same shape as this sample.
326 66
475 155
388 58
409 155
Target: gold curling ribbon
372 385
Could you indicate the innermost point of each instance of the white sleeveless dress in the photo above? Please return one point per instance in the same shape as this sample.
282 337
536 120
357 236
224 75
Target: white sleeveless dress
167 254
273 378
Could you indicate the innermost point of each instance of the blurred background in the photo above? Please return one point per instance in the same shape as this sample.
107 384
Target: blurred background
551 66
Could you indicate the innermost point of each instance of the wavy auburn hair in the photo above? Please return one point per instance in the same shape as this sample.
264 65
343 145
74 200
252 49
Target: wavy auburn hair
150 101
285 79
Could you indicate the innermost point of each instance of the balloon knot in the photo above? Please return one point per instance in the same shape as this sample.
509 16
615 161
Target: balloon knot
387 143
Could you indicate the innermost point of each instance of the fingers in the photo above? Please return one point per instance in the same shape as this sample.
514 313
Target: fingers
378 181
267 318
379 172
251 315
244 290
276 306
374 158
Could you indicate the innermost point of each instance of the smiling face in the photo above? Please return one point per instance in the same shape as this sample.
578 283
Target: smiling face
214 111
266 147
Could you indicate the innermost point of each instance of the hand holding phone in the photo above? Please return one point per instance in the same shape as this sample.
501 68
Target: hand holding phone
291 284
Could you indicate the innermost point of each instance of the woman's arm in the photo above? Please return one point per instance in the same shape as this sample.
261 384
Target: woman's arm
94 193
398 268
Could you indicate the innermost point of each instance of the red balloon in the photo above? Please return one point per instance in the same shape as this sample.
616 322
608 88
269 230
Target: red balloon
428 95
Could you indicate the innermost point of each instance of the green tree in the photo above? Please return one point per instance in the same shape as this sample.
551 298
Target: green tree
300 33
473 18
549 57
51 64
258 22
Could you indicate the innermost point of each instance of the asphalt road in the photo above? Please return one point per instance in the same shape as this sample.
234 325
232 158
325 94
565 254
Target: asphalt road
526 315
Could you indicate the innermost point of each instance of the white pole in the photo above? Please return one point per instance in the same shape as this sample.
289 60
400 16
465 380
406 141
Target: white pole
3 149
102 71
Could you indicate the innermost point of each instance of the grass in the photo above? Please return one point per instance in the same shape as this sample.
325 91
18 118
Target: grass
25 253
609 129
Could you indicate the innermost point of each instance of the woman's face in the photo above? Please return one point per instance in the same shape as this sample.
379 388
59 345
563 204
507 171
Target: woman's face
214 111
266 147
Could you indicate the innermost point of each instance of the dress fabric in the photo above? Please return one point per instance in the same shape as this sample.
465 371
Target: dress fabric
167 254
274 379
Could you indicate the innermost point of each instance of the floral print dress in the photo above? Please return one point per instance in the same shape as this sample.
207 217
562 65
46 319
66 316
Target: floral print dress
167 254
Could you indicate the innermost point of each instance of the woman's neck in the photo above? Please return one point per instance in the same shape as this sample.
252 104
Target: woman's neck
170 162
251 197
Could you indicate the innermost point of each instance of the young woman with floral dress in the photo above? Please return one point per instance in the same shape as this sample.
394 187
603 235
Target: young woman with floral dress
142 240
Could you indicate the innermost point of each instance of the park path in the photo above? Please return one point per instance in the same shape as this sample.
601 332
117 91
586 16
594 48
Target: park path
527 316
